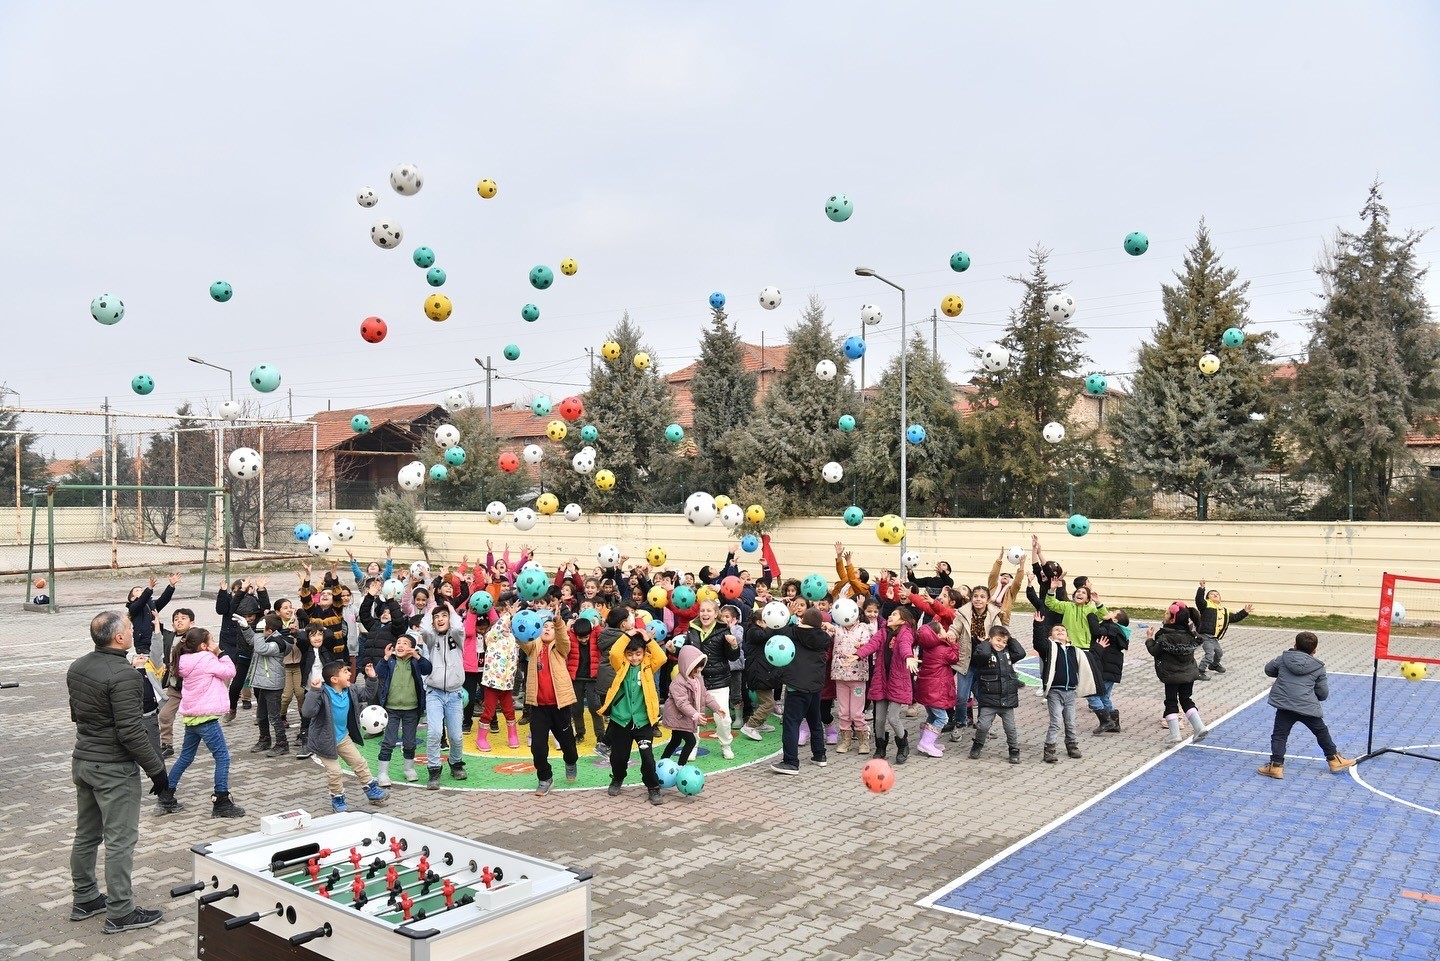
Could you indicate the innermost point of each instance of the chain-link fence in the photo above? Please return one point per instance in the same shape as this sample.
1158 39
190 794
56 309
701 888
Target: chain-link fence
78 454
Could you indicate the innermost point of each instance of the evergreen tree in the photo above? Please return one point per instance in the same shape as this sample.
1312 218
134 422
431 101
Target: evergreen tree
723 392
32 463
477 482
795 430
1022 471
1371 373
631 408
931 466
1186 432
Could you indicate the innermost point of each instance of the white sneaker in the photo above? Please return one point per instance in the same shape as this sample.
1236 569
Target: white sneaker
384 777
767 729
727 754
749 732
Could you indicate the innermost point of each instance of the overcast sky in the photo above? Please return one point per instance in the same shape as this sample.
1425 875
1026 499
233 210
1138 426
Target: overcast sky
672 150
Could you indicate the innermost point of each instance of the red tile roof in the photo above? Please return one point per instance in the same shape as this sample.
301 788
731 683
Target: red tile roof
334 426
1424 435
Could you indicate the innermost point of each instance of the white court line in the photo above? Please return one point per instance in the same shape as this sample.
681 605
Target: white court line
1355 775
929 900
1072 939
1264 754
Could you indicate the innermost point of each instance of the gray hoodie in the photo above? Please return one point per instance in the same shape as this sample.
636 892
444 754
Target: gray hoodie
1300 683
267 668
447 671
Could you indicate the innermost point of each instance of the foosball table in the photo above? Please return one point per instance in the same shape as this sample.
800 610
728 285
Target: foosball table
367 886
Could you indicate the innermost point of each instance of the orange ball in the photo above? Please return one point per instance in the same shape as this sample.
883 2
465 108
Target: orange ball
571 408
509 463
878 775
730 587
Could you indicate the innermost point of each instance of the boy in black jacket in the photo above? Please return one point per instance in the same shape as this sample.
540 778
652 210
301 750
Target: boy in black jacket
1215 620
1110 639
804 679
760 677
997 689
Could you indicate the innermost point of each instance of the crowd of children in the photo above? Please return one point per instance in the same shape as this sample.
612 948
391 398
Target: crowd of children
634 648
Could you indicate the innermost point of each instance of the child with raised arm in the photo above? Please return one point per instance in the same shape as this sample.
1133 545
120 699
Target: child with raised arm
333 709
1215 620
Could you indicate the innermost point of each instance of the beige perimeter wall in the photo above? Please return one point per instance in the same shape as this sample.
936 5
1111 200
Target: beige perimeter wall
1282 568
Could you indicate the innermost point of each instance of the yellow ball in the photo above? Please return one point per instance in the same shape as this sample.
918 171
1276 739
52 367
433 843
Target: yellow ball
604 480
890 529
657 597
707 593
556 430
610 350
568 267
755 514
437 307
722 501
547 504
642 360
486 189
952 305
1412 670
656 556
1209 364
642 618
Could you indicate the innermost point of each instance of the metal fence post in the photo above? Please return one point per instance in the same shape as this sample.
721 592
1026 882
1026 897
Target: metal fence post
1350 491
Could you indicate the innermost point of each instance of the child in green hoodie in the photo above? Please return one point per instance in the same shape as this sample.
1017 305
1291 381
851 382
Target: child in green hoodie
632 706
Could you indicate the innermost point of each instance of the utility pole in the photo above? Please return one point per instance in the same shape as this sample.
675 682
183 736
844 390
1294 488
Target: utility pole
290 394
934 336
591 352
489 367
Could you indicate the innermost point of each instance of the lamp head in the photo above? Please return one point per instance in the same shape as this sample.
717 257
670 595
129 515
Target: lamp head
196 360
864 272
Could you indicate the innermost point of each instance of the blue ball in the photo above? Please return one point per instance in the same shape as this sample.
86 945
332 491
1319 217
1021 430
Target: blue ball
667 770
854 347
303 532
749 543
435 276
526 625
854 516
658 630
847 423
916 434
717 300
1233 337
424 257
690 780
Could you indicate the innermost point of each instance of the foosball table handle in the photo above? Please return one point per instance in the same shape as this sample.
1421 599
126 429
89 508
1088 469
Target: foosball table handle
321 932
233 891
242 920
185 889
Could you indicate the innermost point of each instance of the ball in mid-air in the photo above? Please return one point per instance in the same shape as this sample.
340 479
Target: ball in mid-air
770 297
360 424
264 378
1136 243
221 291
959 261
541 277
107 309
424 257
952 305
568 267
405 179
839 208
142 383
487 189
1233 337
386 234
530 313
373 330
438 307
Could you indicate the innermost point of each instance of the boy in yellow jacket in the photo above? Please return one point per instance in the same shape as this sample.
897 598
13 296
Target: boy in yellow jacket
633 707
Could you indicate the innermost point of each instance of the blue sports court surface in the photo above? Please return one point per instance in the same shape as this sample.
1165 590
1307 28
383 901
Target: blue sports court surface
1197 857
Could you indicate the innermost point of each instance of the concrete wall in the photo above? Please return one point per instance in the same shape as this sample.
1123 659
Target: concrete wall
1283 568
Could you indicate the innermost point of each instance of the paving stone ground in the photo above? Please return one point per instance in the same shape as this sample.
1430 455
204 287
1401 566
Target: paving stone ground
808 867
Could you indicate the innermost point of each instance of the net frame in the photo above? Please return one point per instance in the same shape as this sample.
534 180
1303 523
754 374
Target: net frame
1383 653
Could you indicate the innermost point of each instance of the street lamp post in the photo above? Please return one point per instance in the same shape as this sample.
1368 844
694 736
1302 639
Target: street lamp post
229 373
904 390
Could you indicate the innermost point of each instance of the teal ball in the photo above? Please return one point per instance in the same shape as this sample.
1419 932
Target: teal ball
107 309
959 261
541 277
435 276
220 291
264 378
847 422
1096 385
512 352
530 312
424 257
455 456
1136 243
854 516
674 433
142 383
1233 337
1078 525
439 472
360 424
839 208
589 433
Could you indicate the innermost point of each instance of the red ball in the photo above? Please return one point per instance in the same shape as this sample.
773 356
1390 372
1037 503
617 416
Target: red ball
730 587
878 775
373 329
509 463
571 408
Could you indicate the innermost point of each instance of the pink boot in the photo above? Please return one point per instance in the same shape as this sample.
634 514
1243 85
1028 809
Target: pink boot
482 739
832 735
514 732
927 744
804 733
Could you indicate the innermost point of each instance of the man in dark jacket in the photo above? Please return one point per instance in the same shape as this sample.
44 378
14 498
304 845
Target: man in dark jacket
106 703
804 679
997 689
718 645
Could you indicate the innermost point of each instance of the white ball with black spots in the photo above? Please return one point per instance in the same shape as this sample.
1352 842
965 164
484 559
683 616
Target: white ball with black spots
343 530
1060 307
229 410
366 197
700 509
405 178
573 512
411 477
770 298
524 519
447 436
994 358
608 555
244 463
495 512
454 400
832 472
386 233
825 370
320 544
870 315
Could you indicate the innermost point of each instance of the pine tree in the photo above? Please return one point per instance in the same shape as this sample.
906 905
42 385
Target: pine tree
931 466
1186 432
477 482
1022 471
723 392
1371 372
397 520
795 430
631 409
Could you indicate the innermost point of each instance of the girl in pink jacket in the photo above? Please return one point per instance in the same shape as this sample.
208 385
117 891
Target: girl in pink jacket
892 686
684 709
204 696
935 685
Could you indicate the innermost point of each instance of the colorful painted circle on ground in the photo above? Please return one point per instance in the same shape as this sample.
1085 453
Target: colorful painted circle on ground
506 768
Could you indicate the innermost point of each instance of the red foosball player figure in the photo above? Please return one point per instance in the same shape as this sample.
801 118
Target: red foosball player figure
395 847
423 867
448 889
312 868
355 859
487 875
391 877
358 887
323 891
406 902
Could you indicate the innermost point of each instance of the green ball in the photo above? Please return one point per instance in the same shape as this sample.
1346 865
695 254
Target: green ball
435 276
481 602
689 780
439 473
847 422
530 312
814 587
360 423
674 433
959 261
1096 385
1078 525
142 383
512 352
589 433
107 309
264 378
455 456
683 597
854 516
424 257
779 650
220 291
464 697
532 584
838 208
1233 337
1136 243
541 277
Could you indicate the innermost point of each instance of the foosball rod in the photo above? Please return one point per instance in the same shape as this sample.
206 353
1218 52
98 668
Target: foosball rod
276 867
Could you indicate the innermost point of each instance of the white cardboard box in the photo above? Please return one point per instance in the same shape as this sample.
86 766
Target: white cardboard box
284 821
